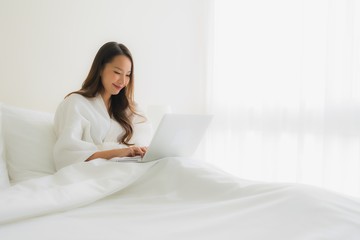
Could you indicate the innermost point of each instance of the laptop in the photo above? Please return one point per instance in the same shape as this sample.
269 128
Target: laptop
178 135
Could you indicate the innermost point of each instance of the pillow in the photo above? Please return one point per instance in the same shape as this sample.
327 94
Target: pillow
4 178
29 140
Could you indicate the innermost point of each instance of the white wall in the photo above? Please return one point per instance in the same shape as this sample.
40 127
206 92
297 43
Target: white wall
46 48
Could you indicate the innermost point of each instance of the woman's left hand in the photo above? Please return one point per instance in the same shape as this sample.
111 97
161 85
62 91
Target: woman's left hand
137 151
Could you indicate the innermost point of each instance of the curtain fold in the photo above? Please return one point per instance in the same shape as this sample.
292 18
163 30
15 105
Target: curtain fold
285 91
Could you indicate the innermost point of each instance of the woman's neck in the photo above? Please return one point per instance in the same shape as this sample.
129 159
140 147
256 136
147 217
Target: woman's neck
106 100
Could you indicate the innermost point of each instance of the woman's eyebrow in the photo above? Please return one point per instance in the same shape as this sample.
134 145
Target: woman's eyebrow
121 68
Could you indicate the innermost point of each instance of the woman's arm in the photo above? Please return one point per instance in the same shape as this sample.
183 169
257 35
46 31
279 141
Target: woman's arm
121 152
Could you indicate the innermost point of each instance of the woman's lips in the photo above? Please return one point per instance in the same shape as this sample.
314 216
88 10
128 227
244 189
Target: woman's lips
117 86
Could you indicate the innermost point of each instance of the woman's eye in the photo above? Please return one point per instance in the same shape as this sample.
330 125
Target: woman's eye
116 72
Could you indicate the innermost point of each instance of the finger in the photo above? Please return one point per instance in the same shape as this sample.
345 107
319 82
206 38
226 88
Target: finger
137 151
142 151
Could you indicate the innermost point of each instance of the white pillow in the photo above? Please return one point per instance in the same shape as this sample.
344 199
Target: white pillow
29 141
4 178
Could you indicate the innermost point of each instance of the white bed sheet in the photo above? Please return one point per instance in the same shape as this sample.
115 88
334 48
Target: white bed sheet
171 199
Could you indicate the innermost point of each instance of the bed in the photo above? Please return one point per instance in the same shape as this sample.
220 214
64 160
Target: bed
172 198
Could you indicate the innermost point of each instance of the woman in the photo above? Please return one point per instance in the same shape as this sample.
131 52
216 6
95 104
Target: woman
100 120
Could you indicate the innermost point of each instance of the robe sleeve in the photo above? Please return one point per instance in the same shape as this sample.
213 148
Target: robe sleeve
72 129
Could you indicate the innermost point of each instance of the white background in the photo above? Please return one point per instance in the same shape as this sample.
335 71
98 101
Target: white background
47 48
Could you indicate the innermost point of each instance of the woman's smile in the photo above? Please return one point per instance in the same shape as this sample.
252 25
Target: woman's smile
117 87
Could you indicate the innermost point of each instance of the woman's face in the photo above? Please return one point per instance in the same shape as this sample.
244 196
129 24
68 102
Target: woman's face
115 75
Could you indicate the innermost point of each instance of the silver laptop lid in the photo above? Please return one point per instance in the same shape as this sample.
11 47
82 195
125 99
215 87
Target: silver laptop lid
178 135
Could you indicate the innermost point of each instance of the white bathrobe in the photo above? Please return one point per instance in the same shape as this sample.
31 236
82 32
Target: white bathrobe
83 126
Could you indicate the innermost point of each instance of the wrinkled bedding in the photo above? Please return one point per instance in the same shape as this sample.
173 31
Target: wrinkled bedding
173 198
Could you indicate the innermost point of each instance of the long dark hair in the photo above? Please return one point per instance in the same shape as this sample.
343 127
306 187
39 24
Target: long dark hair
122 105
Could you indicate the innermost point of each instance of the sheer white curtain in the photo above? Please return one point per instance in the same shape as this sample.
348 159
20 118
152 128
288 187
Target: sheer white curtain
286 91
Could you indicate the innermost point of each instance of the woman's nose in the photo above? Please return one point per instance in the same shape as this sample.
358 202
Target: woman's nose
121 79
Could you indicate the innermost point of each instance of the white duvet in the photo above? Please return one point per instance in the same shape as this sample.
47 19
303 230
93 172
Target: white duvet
170 199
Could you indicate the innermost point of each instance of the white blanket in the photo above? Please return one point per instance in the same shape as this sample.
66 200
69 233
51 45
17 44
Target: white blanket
76 185
170 199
